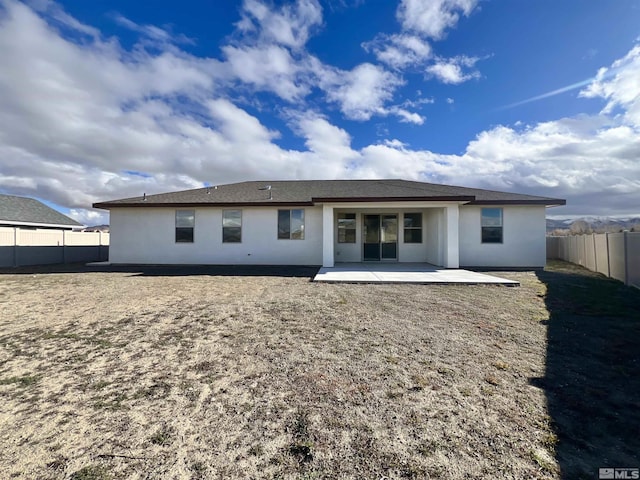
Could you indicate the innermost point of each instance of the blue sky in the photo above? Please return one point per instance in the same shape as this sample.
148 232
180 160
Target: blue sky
103 100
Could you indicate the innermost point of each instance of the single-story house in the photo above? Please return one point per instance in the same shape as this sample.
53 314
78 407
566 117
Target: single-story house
322 222
26 212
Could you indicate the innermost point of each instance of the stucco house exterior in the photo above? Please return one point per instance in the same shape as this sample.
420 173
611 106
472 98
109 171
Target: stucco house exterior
323 222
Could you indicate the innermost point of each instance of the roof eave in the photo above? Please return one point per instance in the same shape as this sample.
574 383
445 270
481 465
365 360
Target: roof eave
447 198
109 206
17 223
548 202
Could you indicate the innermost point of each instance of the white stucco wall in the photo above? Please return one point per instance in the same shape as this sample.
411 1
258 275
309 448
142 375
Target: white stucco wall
348 252
523 238
434 236
407 252
147 236
412 252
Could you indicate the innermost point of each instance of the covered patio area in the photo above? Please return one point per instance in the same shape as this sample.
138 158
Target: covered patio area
420 273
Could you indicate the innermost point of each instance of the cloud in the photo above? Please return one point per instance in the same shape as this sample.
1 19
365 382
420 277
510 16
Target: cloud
620 86
450 70
408 117
289 25
422 21
268 68
268 54
363 91
432 18
400 50
78 121
155 34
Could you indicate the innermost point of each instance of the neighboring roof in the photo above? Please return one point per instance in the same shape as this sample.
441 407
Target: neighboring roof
309 192
29 211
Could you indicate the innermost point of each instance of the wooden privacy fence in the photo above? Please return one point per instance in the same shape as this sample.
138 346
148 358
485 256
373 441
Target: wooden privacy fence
615 255
20 246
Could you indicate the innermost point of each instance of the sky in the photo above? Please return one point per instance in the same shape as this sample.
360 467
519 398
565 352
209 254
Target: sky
111 99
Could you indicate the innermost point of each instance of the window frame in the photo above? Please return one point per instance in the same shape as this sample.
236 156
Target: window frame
344 229
231 227
412 228
290 233
185 228
489 238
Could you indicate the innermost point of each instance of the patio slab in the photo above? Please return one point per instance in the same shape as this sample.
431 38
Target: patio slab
420 273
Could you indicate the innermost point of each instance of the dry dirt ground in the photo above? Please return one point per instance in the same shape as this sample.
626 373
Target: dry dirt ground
205 374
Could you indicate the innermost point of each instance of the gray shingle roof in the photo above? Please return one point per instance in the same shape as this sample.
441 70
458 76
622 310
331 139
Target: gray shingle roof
31 211
308 192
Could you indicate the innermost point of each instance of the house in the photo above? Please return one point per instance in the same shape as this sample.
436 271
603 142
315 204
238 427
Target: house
321 222
30 213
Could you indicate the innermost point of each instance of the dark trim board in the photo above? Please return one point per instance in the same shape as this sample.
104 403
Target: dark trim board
555 202
108 205
392 199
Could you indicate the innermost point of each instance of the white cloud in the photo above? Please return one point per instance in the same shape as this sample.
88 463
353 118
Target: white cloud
620 86
431 18
422 20
155 34
60 17
268 68
89 217
399 51
407 117
450 70
363 91
79 120
290 25
270 56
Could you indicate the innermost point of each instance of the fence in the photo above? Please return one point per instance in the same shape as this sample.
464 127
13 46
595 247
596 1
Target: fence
615 255
19 246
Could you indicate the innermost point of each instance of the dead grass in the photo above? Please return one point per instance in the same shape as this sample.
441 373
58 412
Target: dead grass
117 375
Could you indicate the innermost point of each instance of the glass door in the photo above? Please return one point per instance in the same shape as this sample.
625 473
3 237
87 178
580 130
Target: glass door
371 236
380 237
389 237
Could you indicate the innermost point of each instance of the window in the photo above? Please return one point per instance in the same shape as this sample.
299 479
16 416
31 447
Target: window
185 223
291 224
231 226
491 225
346 228
413 228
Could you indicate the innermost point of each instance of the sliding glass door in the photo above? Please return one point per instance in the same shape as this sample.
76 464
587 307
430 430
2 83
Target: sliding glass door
380 237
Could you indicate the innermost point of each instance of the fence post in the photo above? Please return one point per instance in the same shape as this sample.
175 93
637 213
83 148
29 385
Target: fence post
99 259
15 246
595 253
626 257
608 256
64 247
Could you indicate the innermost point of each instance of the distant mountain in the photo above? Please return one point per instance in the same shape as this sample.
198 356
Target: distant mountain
594 224
97 228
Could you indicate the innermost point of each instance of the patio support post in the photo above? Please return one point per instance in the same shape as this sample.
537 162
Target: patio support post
451 243
327 236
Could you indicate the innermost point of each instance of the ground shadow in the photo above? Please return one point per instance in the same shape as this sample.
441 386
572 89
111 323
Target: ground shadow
592 379
171 270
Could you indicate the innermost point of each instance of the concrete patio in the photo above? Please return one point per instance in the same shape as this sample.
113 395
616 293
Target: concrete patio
421 273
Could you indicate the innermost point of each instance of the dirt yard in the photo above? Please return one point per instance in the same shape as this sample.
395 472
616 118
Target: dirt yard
204 374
